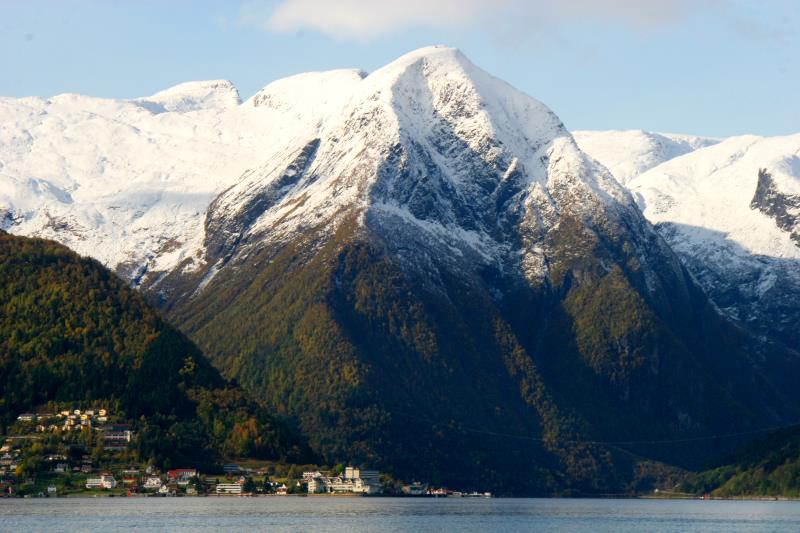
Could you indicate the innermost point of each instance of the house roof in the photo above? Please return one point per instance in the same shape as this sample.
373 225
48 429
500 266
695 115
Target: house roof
179 471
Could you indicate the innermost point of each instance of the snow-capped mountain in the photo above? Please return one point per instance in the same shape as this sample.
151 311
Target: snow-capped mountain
129 181
730 208
429 143
422 240
732 212
435 231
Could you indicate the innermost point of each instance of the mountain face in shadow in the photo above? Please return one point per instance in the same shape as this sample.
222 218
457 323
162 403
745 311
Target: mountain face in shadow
759 292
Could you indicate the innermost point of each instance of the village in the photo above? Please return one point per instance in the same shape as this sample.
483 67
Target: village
80 452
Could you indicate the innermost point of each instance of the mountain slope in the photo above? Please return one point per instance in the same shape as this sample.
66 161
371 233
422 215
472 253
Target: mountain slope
769 466
731 211
70 329
439 257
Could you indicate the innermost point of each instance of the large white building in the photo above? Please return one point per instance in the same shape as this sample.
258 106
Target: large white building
353 480
117 438
105 481
229 488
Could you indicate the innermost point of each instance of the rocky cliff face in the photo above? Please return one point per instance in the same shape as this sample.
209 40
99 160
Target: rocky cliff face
784 209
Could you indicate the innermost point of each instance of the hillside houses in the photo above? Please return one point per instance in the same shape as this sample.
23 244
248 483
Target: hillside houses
116 437
67 420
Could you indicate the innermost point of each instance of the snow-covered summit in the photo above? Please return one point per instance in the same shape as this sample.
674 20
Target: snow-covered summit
125 181
429 143
165 182
628 153
713 189
310 96
194 96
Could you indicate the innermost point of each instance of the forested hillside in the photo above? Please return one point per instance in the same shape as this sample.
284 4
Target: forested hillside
71 331
770 466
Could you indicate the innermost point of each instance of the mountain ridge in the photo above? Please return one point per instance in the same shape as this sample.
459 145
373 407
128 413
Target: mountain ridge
628 153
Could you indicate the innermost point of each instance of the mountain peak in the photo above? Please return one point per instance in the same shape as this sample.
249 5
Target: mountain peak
429 134
432 62
429 143
440 53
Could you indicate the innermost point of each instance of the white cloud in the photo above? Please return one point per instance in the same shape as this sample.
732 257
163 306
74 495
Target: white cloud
366 19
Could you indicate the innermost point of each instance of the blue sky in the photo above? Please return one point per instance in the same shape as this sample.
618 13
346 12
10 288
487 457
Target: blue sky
711 67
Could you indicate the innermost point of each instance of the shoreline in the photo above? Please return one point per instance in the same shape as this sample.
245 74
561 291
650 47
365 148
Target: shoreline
405 497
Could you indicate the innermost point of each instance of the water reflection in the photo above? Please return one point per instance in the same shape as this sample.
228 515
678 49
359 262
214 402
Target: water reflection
395 514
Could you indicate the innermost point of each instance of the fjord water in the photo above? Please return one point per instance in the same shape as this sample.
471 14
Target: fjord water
395 514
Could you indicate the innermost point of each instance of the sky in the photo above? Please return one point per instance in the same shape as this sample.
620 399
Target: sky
705 67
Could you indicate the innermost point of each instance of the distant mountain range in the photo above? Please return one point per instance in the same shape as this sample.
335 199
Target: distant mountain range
427 272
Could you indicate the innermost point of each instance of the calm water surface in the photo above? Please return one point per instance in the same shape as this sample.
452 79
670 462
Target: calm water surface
395 514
